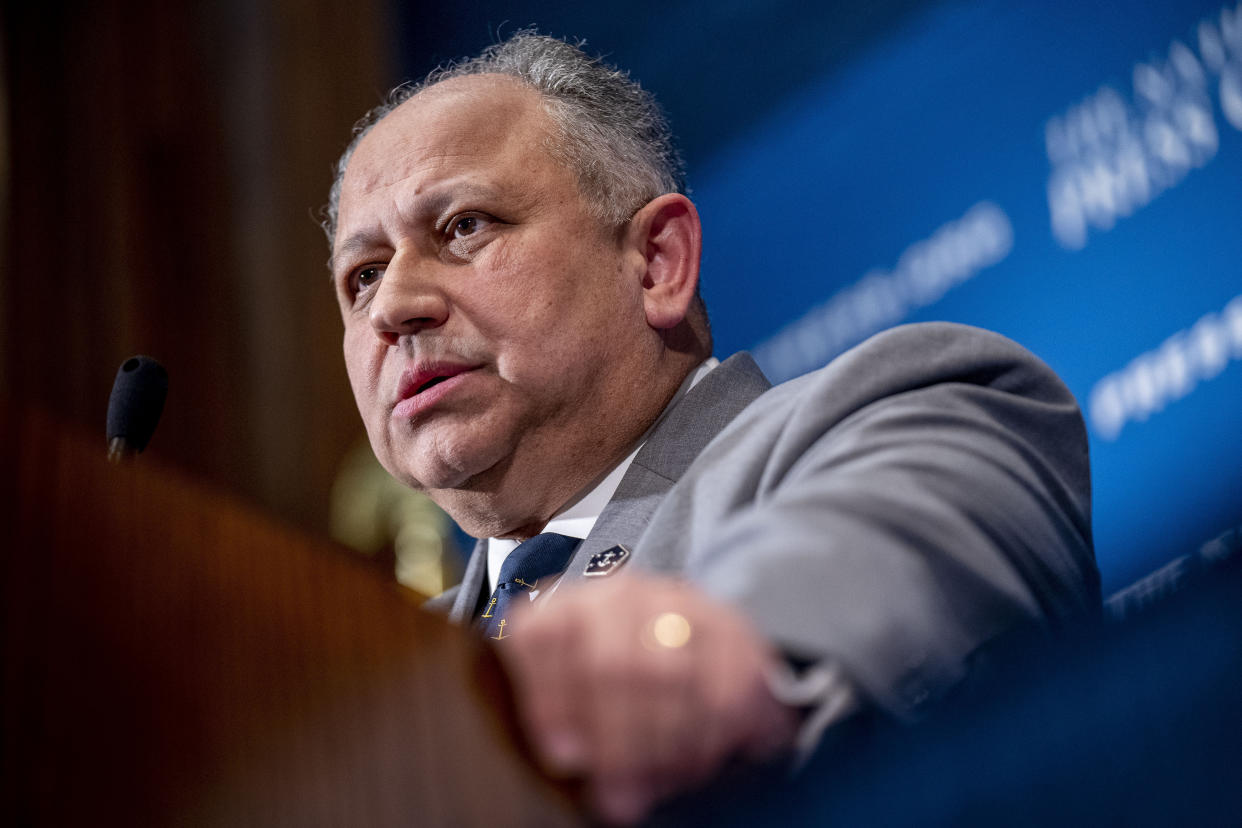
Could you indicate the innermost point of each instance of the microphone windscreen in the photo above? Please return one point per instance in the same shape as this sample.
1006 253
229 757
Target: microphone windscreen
137 401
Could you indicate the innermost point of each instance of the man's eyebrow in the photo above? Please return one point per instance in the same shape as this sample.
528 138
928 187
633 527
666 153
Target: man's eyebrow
354 245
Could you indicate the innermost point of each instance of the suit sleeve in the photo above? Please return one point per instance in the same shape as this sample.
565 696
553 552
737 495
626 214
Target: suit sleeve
899 509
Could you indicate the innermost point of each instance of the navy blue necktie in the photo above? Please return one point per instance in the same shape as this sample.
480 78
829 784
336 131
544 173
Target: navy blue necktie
542 556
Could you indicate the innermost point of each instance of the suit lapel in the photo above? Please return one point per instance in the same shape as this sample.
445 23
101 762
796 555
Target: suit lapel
470 590
669 450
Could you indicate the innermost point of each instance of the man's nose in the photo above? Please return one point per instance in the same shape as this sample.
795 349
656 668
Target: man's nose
408 300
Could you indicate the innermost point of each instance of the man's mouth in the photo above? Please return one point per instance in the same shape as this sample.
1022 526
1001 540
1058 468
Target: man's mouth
429 384
416 390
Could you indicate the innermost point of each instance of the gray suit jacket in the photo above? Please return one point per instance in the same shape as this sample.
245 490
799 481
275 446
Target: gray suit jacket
892 511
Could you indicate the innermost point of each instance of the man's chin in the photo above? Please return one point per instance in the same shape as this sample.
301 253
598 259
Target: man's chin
465 468
441 479
482 504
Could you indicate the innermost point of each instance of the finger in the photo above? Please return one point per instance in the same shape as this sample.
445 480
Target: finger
542 663
678 726
616 684
647 719
622 800
628 687
758 724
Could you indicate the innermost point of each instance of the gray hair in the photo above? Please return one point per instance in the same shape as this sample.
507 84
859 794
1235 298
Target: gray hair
608 129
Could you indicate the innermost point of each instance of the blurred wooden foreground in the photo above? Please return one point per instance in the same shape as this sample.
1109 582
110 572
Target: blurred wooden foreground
172 657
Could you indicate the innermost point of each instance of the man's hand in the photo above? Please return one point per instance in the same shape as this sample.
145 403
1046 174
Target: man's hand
642 687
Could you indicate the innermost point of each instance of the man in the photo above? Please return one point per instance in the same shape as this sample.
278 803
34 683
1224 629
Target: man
517 268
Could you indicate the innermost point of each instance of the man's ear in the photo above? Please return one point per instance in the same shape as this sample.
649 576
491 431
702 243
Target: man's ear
667 233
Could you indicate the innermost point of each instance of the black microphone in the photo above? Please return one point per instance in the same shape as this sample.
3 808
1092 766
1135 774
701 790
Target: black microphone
135 406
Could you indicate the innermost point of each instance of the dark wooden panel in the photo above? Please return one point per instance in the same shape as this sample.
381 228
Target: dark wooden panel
161 168
174 657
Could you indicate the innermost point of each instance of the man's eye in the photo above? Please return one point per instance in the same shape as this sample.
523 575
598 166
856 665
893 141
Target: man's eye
369 276
466 226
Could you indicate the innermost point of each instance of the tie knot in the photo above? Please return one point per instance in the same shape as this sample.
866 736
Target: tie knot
545 554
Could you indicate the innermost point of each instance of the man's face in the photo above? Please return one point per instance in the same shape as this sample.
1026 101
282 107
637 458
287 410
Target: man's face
493 328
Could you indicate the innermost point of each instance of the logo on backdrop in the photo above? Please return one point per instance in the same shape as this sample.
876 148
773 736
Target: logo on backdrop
1111 156
1168 373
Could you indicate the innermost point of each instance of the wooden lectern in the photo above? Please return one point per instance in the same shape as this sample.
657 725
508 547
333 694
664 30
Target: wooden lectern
172 657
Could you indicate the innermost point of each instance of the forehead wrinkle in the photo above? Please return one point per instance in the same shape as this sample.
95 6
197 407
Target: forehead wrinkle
409 161
422 161
431 183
